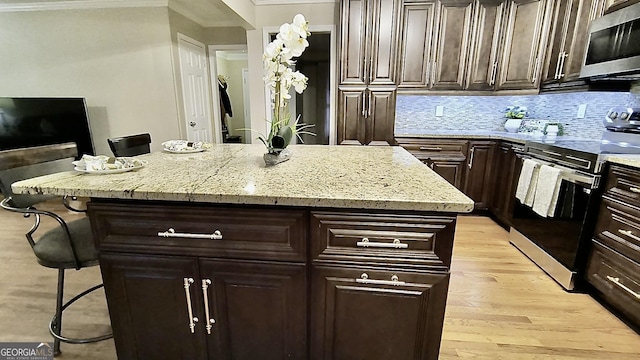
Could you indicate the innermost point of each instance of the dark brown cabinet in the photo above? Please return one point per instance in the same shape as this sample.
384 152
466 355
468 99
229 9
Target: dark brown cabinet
485 43
354 305
526 24
613 267
478 179
368 46
202 281
613 5
505 180
445 157
416 33
569 35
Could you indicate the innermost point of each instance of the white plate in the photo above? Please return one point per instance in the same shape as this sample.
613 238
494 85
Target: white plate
185 151
112 171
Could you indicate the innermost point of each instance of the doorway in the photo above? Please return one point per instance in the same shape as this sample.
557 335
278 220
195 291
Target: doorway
229 66
316 105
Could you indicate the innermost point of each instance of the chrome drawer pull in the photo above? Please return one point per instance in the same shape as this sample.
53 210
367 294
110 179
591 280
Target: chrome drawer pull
205 295
621 285
426 148
192 319
629 233
395 244
364 279
634 189
171 233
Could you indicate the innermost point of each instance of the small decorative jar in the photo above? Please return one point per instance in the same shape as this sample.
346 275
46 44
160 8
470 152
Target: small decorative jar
512 125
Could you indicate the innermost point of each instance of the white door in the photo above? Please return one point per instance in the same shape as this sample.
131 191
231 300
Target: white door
195 89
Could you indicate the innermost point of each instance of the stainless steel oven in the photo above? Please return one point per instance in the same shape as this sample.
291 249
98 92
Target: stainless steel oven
557 243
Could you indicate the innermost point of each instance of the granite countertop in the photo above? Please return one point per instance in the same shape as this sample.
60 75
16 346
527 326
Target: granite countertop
365 177
481 134
629 160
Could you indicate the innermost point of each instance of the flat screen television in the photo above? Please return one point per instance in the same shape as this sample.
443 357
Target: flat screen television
26 122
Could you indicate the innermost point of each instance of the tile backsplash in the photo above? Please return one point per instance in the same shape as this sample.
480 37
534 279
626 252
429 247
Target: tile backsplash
416 114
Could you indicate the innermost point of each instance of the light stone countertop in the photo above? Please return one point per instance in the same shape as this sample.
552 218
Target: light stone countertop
629 160
360 177
480 134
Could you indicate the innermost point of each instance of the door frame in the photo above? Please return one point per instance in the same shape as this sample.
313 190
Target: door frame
213 68
184 38
333 88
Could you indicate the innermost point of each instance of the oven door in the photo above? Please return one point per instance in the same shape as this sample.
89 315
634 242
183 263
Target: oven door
557 244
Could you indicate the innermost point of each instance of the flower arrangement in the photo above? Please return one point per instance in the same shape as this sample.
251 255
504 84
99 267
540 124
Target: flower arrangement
290 42
516 112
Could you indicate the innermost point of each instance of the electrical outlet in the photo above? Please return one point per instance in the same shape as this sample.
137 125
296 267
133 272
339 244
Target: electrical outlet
582 109
439 110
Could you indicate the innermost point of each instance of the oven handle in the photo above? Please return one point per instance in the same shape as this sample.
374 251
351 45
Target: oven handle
568 174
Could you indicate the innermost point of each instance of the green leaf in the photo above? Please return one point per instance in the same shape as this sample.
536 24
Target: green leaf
286 133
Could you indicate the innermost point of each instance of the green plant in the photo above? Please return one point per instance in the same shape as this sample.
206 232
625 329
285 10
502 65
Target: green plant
516 112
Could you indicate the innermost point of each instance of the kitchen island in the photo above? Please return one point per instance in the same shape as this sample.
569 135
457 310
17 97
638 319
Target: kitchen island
341 252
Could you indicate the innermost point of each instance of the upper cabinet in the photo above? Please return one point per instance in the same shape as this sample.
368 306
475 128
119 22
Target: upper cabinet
569 36
613 5
369 42
472 44
523 41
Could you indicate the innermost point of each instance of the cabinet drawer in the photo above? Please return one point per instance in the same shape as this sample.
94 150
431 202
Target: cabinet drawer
619 228
624 184
617 278
227 232
422 148
383 239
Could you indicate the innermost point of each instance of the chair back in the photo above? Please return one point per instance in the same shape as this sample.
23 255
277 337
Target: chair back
130 145
25 163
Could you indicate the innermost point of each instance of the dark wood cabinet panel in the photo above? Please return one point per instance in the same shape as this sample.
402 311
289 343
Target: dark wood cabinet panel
485 41
505 180
451 44
416 34
259 309
353 47
351 314
478 185
450 170
351 107
384 42
613 5
148 306
366 115
381 119
525 31
569 36
446 157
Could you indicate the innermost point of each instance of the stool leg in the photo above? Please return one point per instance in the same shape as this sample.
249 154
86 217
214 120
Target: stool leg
59 304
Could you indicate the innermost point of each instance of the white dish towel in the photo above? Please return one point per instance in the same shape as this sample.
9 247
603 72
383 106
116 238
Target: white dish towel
547 189
527 181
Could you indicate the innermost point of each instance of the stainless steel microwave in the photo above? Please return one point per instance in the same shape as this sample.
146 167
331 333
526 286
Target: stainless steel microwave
613 49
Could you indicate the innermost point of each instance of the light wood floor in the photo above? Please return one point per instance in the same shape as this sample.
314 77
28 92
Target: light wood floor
500 305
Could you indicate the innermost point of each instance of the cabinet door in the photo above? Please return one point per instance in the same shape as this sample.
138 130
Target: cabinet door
477 184
353 42
351 107
503 183
485 40
149 308
415 44
380 118
613 5
521 57
259 309
384 16
383 319
559 29
585 11
452 44
450 169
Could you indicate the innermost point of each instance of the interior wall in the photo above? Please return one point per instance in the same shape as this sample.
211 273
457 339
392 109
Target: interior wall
232 69
118 59
272 16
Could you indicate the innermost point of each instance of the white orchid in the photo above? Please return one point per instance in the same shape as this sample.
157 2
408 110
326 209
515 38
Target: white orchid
290 42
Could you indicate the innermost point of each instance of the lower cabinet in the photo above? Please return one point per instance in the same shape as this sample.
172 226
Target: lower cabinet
478 181
360 312
505 181
189 308
366 115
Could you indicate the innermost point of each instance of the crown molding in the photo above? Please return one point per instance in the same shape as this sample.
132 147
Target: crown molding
289 2
80 4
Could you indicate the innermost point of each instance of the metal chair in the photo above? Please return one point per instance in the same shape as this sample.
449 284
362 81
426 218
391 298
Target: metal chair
130 145
67 246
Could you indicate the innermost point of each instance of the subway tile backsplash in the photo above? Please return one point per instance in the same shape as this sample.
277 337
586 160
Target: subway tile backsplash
416 114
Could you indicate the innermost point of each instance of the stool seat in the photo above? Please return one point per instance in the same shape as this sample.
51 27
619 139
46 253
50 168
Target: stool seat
52 249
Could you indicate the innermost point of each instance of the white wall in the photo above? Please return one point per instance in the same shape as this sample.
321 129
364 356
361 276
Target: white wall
118 59
269 16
